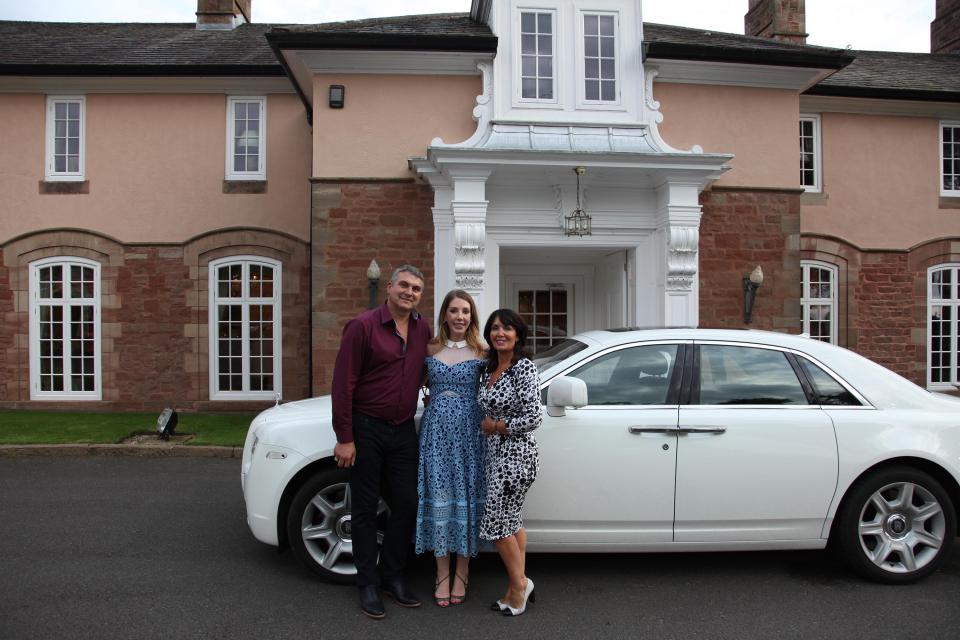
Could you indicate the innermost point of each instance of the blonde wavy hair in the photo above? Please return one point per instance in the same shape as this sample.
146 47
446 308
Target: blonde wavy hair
473 329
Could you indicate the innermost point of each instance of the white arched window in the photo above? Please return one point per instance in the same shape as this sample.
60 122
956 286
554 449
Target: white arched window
942 307
245 343
819 300
65 329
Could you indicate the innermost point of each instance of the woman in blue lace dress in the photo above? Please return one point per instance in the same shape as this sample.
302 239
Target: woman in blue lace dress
451 481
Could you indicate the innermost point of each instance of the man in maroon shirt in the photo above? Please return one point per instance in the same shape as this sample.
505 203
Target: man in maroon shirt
378 373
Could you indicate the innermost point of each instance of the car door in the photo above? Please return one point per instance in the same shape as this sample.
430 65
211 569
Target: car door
607 469
755 460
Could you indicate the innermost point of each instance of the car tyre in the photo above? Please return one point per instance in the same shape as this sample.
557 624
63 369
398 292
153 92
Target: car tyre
896 525
319 525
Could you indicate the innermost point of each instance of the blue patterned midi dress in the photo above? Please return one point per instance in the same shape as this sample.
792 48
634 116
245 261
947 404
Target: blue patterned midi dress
451 476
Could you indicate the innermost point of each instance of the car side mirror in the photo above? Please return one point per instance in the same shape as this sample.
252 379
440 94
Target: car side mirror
565 392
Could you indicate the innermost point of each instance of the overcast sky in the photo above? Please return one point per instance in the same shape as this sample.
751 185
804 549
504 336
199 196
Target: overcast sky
887 25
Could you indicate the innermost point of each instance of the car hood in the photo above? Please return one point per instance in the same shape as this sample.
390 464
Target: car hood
304 426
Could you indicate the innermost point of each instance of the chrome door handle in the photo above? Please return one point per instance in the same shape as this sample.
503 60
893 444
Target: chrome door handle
705 429
652 428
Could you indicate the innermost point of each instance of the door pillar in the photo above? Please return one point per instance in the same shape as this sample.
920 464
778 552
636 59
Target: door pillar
678 234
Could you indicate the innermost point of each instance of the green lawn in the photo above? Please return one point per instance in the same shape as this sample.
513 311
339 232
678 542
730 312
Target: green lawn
55 427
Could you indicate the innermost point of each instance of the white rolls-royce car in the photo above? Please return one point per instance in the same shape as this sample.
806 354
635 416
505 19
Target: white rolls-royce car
678 440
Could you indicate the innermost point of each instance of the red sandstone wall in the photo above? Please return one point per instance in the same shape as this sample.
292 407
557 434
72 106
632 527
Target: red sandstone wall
739 230
154 318
354 223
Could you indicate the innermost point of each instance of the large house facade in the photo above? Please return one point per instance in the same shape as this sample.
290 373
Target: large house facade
190 210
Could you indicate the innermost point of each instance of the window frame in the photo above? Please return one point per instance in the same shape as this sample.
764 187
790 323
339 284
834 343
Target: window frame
582 101
955 125
50 172
955 304
519 100
806 301
245 301
230 172
34 331
817 187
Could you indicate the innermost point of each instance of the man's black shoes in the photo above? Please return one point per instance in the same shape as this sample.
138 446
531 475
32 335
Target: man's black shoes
397 590
370 602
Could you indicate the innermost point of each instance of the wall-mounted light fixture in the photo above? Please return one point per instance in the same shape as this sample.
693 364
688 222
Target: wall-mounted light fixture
373 282
336 97
750 285
578 223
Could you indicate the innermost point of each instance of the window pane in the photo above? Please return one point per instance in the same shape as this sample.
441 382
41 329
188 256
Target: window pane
545 66
545 89
591 47
528 44
634 376
591 68
606 47
73 110
528 22
590 25
529 65
829 391
606 25
544 45
592 89
746 375
529 88
608 90
544 23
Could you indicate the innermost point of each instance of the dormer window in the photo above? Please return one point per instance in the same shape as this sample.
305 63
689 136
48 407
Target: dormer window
537 54
600 57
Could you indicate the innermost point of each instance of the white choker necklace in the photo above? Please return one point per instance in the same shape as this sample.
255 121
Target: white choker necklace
458 344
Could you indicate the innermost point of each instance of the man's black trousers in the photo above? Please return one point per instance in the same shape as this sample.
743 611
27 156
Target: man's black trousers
386 465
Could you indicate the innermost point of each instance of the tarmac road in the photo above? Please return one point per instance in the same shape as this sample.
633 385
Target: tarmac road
119 547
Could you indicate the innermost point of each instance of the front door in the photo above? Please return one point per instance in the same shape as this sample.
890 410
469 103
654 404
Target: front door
547 308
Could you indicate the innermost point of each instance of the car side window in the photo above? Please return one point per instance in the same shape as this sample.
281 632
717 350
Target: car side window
747 375
828 390
631 376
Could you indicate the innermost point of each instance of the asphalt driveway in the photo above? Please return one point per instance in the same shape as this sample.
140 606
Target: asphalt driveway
117 547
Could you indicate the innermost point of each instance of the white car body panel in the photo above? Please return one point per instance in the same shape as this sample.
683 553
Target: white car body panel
623 498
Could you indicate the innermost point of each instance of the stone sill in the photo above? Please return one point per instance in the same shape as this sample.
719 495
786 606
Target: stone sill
814 198
950 202
244 186
59 187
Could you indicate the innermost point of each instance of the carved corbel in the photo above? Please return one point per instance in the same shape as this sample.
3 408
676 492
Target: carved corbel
469 264
682 247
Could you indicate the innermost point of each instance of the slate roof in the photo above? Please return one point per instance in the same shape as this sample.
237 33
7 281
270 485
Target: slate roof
48 48
894 75
438 31
70 48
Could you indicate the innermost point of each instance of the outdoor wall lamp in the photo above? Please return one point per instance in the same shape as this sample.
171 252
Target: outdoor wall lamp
373 281
336 96
750 285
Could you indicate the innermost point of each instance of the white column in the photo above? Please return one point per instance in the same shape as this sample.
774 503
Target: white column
469 210
443 243
678 233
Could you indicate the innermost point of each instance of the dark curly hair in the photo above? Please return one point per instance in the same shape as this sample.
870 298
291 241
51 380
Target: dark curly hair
508 318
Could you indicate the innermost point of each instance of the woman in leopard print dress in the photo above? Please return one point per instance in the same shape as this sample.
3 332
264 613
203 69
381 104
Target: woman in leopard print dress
510 396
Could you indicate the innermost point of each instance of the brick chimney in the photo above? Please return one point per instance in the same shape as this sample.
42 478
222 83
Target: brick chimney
945 28
784 20
222 14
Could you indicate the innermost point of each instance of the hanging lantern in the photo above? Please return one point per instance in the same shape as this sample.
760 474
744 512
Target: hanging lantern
578 223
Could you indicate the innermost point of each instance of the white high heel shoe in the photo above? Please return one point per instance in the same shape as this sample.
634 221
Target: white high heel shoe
528 594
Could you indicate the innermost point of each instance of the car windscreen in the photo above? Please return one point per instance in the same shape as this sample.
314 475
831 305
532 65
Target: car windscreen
560 351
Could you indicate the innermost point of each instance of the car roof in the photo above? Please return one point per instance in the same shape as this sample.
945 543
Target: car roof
607 337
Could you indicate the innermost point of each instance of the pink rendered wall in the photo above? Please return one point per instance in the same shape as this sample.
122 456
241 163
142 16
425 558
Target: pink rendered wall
880 182
155 164
386 119
758 126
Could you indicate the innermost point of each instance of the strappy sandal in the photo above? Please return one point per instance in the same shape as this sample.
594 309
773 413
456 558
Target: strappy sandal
458 599
443 602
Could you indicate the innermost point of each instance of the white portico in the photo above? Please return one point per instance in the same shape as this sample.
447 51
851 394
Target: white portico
502 195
